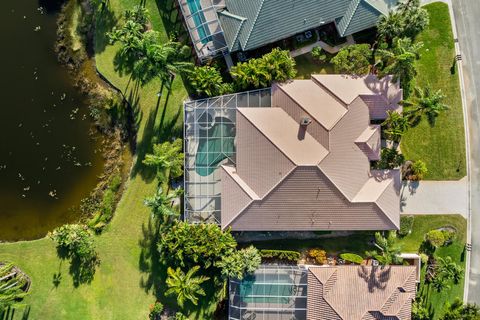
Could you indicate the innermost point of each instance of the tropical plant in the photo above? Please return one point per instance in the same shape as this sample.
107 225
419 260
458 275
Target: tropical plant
436 238
389 159
440 284
179 316
161 204
426 102
155 311
207 80
287 255
459 311
138 14
185 286
406 224
400 61
395 125
448 269
319 255
419 310
318 54
353 59
351 257
391 26
75 239
419 170
186 244
277 65
12 284
388 249
167 158
239 263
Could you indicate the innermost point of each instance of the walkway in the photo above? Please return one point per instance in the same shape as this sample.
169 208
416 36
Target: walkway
435 197
325 46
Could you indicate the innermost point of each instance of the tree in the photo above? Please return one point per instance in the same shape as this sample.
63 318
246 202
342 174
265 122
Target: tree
419 310
390 159
459 311
239 263
400 61
391 26
75 239
419 170
395 125
277 65
167 158
185 286
353 59
449 269
426 102
389 249
208 81
186 244
161 204
12 284
435 238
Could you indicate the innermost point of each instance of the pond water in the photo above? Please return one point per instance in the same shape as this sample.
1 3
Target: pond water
48 159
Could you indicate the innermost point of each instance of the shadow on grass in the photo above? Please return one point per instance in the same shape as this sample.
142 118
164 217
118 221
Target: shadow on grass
105 21
9 313
82 270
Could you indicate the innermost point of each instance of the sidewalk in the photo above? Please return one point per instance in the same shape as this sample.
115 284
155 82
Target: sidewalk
435 197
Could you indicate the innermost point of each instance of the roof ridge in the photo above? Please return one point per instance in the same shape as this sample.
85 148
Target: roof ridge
244 45
375 7
350 17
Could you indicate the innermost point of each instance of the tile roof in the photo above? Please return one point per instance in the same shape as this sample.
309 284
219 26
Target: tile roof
262 18
328 185
360 292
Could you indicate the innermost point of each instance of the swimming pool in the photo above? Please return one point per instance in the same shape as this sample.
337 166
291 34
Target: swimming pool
199 19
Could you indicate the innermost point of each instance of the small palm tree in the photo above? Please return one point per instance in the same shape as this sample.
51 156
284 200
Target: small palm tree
207 80
400 60
167 158
185 286
428 102
389 249
396 125
419 170
440 284
11 288
448 269
390 26
161 204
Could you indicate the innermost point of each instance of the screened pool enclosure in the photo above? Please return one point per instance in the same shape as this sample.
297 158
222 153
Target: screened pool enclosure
273 292
209 137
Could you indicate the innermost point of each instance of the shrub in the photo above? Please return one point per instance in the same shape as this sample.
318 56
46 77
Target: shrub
436 238
449 236
319 255
353 59
318 54
292 256
406 224
423 258
419 170
351 257
155 311
75 239
207 81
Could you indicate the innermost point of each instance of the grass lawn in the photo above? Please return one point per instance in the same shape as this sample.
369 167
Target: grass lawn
126 282
306 66
442 147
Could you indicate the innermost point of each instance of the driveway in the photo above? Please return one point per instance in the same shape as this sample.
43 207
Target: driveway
467 13
435 197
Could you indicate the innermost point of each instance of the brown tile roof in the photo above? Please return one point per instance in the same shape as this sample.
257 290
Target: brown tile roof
310 178
360 292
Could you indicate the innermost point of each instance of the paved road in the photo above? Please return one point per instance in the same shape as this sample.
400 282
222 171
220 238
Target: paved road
435 197
467 16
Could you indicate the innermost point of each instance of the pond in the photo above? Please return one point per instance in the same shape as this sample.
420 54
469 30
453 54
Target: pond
49 161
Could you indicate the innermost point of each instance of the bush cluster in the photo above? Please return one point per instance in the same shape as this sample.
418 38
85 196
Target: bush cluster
287 255
406 224
319 255
439 238
351 257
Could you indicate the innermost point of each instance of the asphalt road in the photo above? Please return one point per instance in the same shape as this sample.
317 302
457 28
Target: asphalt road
467 16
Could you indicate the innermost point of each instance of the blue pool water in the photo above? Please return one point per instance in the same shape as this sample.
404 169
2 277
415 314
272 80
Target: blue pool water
199 18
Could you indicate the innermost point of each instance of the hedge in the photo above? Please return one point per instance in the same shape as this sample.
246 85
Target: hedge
351 257
406 224
281 254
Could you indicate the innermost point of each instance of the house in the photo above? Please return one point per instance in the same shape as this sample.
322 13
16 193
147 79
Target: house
305 163
222 26
345 292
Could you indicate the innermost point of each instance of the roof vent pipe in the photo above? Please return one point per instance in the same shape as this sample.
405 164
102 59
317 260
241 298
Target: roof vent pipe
305 121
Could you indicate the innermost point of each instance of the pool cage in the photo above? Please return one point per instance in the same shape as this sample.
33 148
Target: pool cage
272 292
209 141
201 20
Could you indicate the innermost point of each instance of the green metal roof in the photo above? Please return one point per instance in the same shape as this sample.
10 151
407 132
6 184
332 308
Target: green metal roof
266 21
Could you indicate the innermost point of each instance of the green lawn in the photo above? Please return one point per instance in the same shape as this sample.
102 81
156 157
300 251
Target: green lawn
442 147
306 66
126 282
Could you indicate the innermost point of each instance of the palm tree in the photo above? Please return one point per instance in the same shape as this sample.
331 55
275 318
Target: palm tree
389 249
161 204
11 288
440 284
167 158
400 60
449 269
428 102
391 26
396 125
185 286
207 80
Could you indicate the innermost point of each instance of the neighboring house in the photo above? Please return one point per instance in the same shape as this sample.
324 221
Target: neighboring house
240 25
328 292
305 163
